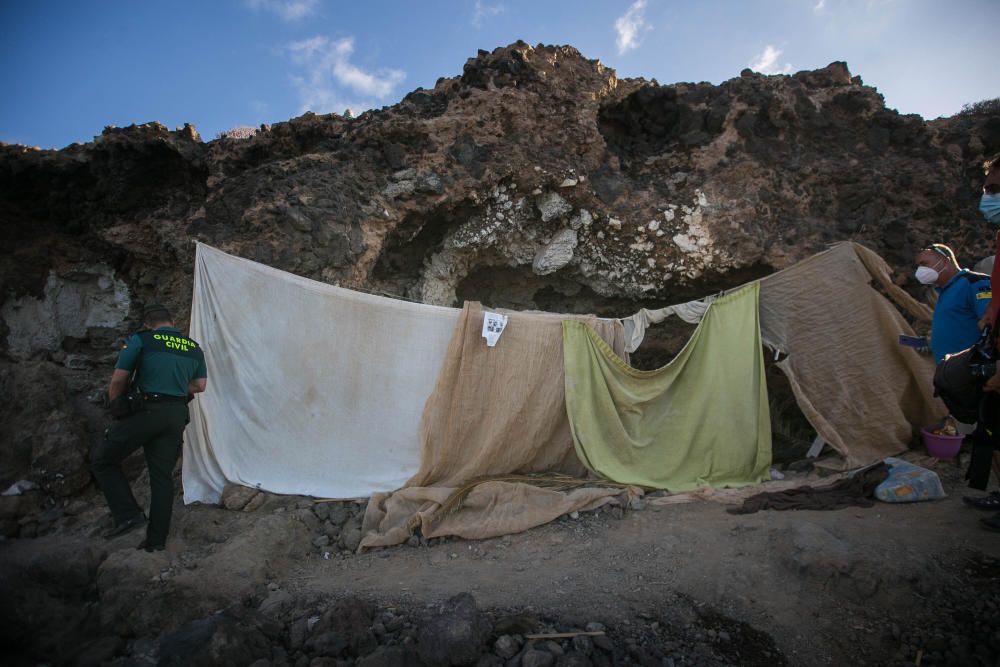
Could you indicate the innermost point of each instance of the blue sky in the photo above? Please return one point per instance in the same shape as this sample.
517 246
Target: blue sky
68 68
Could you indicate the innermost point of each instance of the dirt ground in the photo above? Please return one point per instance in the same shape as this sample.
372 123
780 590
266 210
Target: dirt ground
856 586
827 586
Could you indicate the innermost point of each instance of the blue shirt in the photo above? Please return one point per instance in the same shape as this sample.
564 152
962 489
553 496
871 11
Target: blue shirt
961 304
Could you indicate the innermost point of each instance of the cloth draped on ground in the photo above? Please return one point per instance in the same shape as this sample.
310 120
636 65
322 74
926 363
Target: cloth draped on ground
854 491
494 411
701 420
312 389
730 496
837 334
491 509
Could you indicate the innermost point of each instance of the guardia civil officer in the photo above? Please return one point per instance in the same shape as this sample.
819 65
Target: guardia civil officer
166 368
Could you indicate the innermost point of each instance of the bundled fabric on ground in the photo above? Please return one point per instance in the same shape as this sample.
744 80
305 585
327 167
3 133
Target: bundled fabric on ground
853 491
701 420
837 337
491 509
494 411
312 389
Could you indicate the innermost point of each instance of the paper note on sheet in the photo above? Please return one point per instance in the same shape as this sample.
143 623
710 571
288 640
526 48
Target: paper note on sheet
493 326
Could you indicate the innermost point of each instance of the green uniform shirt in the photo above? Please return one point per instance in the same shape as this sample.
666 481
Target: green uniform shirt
167 360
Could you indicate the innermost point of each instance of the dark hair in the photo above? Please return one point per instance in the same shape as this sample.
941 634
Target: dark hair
156 313
944 251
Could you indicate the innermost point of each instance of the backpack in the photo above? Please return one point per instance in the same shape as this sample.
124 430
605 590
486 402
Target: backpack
959 378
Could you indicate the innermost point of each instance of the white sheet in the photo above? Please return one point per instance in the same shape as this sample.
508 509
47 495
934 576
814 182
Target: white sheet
312 389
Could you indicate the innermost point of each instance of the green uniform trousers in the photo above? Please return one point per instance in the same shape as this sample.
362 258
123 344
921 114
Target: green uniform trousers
159 430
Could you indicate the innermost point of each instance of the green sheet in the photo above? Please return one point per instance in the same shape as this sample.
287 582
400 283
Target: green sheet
701 420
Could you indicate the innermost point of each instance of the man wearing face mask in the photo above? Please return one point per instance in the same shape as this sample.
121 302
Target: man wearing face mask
989 206
986 440
963 300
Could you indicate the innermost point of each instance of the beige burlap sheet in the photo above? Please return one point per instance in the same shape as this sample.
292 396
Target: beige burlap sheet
861 390
494 411
501 410
491 509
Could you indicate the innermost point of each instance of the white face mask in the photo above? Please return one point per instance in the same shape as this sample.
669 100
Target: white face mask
926 275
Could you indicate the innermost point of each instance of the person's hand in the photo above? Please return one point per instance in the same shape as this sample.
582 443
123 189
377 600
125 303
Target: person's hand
993 384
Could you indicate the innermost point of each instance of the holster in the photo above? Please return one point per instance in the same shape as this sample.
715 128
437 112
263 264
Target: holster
129 403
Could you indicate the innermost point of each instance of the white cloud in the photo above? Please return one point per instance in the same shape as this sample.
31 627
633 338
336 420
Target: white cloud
484 11
819 6
629 25
767 62
325 70
287 10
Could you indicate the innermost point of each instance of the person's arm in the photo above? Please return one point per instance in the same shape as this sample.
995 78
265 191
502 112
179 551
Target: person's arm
127 360
200 379
119 383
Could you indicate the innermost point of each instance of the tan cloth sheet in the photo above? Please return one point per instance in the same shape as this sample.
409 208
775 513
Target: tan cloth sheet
493 411
501 410
490 510
862 391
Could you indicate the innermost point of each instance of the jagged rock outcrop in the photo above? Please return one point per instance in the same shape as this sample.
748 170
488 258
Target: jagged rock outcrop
536 179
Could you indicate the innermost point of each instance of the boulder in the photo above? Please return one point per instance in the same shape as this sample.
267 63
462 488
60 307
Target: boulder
391 656
15 508
46 587
347 622
33 390
327 644
276 604
59 454
506 647
350 538
337 513
214 640
456 635
556 254
535 658
99 652
551 206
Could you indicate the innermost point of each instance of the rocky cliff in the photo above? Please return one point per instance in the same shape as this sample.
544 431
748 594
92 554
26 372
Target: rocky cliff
536 179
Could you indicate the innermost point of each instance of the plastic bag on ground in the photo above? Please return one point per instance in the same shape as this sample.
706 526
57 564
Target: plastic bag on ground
909 483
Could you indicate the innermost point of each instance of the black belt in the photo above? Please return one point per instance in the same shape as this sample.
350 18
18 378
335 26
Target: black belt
164 398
